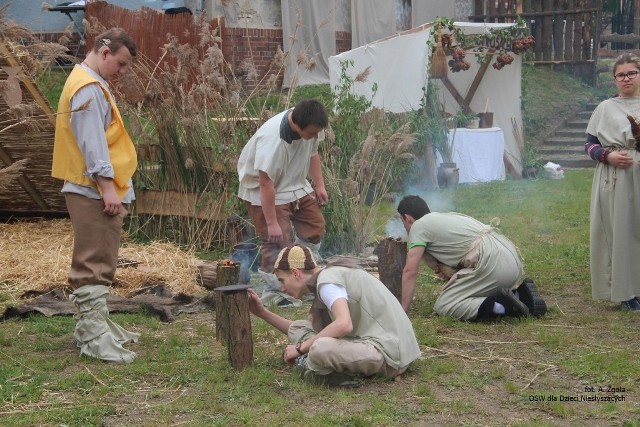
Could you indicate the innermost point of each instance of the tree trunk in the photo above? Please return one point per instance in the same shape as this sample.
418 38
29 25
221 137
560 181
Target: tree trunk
392 256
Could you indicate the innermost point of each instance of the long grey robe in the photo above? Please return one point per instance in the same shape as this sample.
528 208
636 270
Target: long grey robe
615 206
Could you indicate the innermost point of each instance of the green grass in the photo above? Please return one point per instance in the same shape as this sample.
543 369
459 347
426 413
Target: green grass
470 373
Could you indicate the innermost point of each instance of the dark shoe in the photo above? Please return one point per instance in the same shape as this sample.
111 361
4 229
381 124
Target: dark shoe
335 379
631 305
529 295
512 305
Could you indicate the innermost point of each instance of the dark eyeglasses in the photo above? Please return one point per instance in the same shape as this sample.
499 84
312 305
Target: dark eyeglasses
621 76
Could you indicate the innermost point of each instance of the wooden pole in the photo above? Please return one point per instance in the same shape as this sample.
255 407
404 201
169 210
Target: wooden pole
392 256
232 302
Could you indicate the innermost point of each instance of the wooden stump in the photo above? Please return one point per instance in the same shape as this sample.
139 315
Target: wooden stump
227 274
392 256
233 324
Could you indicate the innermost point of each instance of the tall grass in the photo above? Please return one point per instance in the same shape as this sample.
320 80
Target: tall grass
368 152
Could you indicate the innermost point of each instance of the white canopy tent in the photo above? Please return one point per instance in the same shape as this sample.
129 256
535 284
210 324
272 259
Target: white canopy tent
399 64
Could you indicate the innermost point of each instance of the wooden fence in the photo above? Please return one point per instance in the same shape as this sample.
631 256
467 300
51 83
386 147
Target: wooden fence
148 27
567 32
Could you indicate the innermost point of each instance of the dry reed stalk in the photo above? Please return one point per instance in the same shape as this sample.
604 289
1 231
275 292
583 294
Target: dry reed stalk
37 255
11 172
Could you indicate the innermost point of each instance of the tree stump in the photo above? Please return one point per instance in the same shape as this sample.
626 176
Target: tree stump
227 273
233 324
392 256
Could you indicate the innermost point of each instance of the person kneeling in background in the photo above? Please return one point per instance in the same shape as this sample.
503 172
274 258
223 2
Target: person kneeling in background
356 326
482 267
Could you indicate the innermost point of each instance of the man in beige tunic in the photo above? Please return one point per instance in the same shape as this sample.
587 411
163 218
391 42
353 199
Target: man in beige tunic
273 169
481 266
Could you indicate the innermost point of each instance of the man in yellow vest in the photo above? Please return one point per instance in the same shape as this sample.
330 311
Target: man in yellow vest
95 157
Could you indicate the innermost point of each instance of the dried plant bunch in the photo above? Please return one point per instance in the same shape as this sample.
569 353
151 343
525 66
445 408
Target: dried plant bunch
11 172
635 130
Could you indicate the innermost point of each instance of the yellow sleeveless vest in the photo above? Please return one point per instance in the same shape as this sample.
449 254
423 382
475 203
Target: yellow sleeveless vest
68 162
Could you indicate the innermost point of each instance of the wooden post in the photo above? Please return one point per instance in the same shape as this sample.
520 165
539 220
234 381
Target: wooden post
226 275
392 256
233 325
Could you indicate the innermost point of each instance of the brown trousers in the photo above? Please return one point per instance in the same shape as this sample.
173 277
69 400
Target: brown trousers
304 216
96 241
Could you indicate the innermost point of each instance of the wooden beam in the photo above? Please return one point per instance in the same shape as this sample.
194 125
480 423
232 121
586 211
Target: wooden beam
33 90
533 14
476 81
620 38
206 206
454 92
24 182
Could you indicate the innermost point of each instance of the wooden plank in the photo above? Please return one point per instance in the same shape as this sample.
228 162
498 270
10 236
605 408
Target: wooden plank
586 36
569 55
537 49
577 37
454 92
558 42
620 38
476 81
174 203
533 14
547 31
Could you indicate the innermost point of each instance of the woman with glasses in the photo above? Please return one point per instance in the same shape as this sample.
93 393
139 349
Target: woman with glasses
615 193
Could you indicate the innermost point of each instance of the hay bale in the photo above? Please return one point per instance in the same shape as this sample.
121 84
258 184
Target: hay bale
36 255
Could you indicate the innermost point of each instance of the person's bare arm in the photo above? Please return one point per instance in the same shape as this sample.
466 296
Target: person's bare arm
410 274
315 171
258 309
112 202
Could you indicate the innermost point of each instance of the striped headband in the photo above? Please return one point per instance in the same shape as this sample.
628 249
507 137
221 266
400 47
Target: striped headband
295 256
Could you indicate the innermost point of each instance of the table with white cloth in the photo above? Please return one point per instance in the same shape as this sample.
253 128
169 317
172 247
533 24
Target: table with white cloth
478 154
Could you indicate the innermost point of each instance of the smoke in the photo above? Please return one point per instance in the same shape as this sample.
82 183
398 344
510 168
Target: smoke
246 254
395 229
437 200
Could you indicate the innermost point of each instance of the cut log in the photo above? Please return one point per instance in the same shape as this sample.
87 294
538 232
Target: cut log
227 274
207 274
233 324
392 256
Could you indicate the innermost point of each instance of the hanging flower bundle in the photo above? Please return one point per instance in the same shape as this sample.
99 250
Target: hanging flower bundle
501 43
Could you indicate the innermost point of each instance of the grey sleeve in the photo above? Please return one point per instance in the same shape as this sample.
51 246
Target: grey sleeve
89 127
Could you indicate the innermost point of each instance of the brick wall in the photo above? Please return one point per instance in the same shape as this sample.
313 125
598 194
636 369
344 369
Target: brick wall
261 45
343 41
